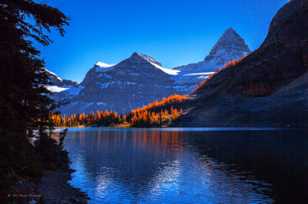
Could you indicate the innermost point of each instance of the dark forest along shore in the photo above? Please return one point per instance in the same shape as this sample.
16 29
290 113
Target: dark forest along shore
189 165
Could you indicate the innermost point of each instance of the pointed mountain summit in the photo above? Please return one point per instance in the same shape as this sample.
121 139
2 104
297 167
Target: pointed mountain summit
143 57
230 46
145 61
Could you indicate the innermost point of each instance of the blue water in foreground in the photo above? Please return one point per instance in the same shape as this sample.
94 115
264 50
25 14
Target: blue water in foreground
187 166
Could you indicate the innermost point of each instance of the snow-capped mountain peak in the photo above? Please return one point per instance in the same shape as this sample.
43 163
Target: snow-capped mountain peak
230 46
145 57
134 82
141 79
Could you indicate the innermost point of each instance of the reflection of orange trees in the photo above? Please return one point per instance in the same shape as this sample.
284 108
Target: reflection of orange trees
159 139
156 114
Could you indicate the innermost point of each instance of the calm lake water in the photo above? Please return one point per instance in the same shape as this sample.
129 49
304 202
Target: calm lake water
187 166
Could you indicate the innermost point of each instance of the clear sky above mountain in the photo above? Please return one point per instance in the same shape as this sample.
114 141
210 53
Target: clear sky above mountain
173 32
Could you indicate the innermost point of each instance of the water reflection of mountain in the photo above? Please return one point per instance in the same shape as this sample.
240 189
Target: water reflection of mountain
276 157
130 158
157 165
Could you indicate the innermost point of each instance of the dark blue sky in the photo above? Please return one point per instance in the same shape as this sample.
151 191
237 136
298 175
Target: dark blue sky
175 32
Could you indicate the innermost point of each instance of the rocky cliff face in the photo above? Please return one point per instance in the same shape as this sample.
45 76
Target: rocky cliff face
132 83
266 88
231 46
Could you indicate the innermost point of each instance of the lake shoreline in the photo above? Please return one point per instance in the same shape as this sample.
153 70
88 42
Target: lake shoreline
55 188
182 124
208 129
54 185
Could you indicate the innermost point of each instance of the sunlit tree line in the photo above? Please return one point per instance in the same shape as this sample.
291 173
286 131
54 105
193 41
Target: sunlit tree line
100 118
157 114
144 118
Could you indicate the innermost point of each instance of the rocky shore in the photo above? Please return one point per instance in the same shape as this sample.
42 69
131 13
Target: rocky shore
52 185
55 189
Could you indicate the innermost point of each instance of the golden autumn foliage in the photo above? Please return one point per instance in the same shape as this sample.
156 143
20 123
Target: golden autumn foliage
232 63
102 118
173 100
144 118
156 114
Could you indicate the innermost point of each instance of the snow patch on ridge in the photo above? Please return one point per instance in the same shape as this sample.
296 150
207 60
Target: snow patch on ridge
55 89
156 64
173 72
53 74
200 74
103 64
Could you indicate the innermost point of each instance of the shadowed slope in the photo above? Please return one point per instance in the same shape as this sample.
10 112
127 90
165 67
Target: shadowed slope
257 91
